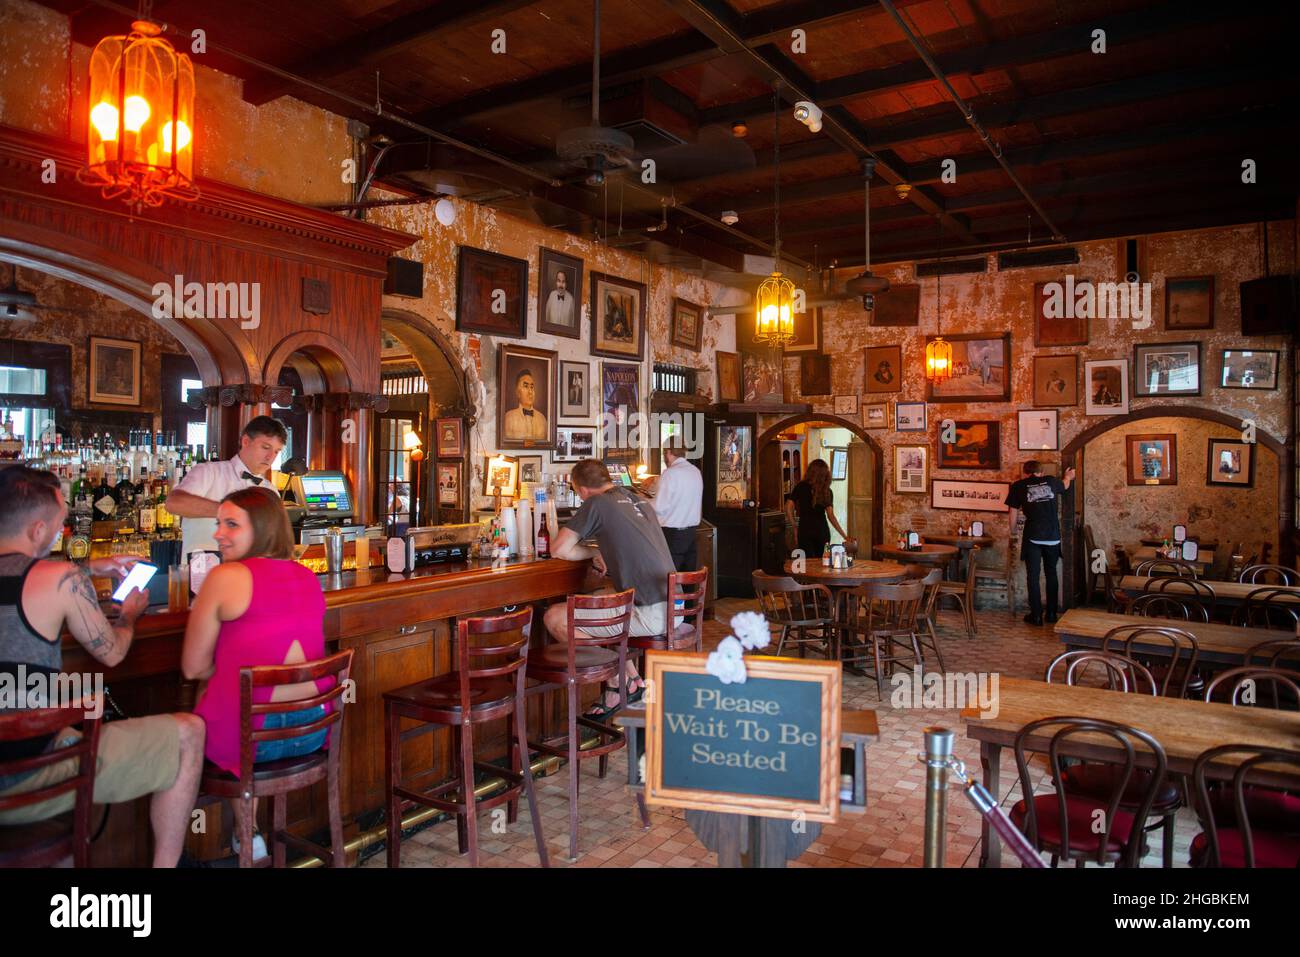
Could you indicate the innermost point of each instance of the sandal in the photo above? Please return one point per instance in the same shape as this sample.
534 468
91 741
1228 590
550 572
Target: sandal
602 710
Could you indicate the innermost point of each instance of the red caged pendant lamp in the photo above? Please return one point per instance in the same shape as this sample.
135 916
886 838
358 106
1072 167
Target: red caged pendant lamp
938 351
140 130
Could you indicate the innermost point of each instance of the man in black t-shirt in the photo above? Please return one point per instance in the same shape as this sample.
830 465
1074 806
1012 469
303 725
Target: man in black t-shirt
1037 495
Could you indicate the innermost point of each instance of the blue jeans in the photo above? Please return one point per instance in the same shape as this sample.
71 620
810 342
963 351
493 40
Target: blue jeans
1042 557
291 747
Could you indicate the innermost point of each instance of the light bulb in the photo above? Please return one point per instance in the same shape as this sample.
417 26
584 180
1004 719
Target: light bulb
104 118
137 113
182 140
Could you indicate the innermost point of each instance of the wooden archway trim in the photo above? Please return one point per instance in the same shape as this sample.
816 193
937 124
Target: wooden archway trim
428 332
340 367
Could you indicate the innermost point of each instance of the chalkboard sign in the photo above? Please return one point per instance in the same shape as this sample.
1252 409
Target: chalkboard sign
767 747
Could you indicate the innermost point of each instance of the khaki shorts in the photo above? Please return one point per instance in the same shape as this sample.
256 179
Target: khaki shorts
136 757
646 620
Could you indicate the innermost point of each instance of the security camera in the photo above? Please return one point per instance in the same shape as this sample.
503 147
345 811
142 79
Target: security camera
730 217
808 114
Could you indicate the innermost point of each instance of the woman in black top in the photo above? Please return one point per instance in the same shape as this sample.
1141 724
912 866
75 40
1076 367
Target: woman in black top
811 499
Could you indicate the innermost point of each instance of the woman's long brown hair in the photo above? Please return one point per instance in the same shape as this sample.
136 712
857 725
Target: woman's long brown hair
272 534
818 476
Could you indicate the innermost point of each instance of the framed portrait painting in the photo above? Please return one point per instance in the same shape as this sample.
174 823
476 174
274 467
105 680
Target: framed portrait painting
1151 459
530 469
1037 429
526 407
980 370
575 389
1055 319
687 325
975 445
884 369
1249 369
490 291
1056 380
617 317
909 469
1106 381
559 294
450 437
1230 462
114 374
1172 368
729 377
1189 302
807 332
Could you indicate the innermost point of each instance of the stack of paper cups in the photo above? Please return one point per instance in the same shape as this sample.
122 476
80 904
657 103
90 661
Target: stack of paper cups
512 530
524 529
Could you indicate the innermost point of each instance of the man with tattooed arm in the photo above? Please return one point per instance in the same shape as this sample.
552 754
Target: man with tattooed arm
160 755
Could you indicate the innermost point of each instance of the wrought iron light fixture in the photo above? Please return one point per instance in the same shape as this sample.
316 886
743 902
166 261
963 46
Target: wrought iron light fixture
774 301
938 351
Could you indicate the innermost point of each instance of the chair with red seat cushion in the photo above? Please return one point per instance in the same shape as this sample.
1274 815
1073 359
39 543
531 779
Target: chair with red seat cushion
1268 838
1064 824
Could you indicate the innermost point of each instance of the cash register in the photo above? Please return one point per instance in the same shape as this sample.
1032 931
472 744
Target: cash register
322 499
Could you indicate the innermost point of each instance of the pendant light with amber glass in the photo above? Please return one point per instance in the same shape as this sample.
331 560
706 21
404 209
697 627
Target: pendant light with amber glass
774 301
938 351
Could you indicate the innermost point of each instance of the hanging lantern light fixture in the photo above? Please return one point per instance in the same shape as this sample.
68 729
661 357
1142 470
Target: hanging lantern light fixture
938 351
140 129
774 301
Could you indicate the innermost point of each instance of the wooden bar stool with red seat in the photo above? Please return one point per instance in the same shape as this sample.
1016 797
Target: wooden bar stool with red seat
472 694
685 625
48 842
277 779
586 661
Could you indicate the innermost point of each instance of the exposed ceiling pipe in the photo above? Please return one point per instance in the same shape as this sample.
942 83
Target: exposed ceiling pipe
971 120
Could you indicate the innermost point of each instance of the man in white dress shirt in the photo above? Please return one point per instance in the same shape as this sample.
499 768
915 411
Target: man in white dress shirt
196 497
560 304
679 494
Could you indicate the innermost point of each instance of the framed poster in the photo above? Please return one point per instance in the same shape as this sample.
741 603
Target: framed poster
526 390
617 317
114 373
559 294
898 306
909 417
490 290
875 415
814 374
845 404
450 437
1107 383
575 389
1172 368
884 369
729 378
1230 462
969 496
530 469
976 445
910 468
1038 429
1055 322
1056 380
1189 302
687 325
449 484
501 477
980 367
1151 459
620 399
763 377
573 443
839 464
807 332
1251 369
734 448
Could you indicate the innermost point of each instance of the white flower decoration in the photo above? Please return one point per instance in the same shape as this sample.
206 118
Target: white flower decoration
752 629
727 663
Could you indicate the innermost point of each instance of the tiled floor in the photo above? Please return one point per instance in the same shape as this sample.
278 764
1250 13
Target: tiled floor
889 834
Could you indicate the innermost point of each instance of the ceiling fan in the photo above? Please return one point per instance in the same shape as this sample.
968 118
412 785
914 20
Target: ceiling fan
867 285
597 149
18 305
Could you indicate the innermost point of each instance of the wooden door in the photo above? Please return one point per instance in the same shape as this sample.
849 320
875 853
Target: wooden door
862 492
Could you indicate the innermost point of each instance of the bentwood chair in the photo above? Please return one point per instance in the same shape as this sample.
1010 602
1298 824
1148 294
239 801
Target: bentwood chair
964 593
278 779
1065 824
1159 605
1191 588
1269 575
586 661
931 578
882 616
1153 567
1174 669
1229 686
1244 825
1270 607
1092 579
1276 653
1000 579
805 611
1122 674
1117 599
487 685
48 842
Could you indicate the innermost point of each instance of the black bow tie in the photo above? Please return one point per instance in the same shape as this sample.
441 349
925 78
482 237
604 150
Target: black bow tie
249 476
561 295
526 411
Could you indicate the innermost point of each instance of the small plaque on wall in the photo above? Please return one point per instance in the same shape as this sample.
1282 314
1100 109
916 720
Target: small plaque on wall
316 296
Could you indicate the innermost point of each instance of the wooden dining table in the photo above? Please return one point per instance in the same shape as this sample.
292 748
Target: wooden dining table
964 544
1204 558
1185 729
859 573
927 554
1216 643
1230 594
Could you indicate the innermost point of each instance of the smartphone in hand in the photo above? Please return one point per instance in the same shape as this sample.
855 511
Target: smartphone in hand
137 577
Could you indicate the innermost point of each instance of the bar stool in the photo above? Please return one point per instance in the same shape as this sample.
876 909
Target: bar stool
472 694
586 661
885 615
276 779
46 843
690 590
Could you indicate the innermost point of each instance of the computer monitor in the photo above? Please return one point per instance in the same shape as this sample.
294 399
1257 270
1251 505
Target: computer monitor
324 493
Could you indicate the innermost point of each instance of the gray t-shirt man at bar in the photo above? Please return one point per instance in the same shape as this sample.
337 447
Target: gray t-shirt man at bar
631 542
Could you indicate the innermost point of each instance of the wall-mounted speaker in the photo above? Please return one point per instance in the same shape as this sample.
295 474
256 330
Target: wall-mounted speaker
405 278
1132 267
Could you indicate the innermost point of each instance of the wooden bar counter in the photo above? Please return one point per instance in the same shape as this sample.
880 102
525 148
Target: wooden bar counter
400 628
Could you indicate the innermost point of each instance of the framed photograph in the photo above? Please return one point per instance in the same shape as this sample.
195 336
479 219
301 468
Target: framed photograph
845 404
839 464
450 434
980 370
620 397
114 377
910 469
807 332
526 380
687 325
814 374
763 377
884 369
875 415
559 294
734 451
1151 459
490 291
1056 380
617 317
1230 462
1189 302
729 378
909 417
573 443
977 445
900 306
969 496
1107 383
530 469
501 476
1055 323
575 389
449 484
1172 368
1038 429
1249 369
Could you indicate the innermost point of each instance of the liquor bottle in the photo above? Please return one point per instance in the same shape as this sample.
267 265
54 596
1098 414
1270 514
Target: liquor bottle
105 502
147 516
82 512
126 517
543 540
164 519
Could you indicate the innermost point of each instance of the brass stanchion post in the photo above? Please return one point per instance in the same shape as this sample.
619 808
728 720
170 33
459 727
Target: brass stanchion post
938 752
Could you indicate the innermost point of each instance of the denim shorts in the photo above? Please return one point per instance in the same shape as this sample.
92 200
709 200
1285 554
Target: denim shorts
291 747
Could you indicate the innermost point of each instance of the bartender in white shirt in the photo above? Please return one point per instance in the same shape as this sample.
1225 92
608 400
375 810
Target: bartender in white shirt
678 496
195 498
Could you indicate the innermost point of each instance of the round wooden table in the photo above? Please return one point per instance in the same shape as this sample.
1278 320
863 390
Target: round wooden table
859 573
928 554
956 571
